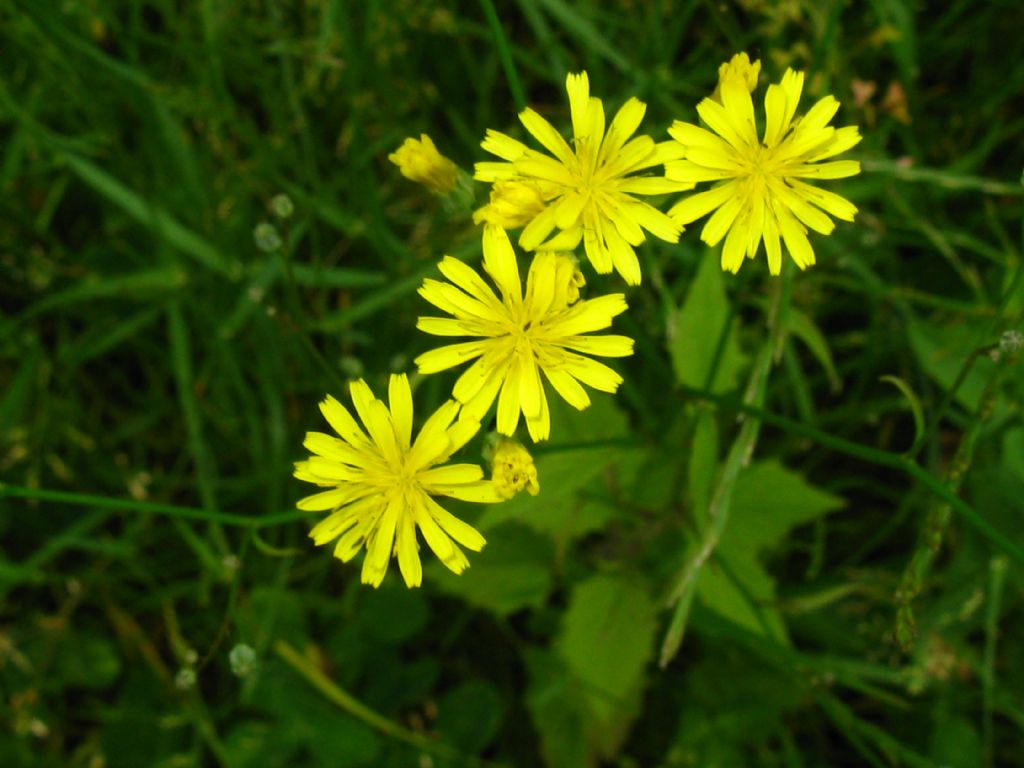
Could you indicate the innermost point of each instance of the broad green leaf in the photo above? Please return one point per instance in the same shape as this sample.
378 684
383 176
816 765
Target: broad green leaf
556 706
768 501
469 716
392 614
512 572
606 641
703 338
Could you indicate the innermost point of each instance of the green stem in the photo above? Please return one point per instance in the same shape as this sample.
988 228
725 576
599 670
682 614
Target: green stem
873 456
997 574
504 54
739 456
131 505
360 711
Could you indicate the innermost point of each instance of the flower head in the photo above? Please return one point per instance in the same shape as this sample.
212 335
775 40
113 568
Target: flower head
590 185
419 161
760 192
382 482
512 469
519 337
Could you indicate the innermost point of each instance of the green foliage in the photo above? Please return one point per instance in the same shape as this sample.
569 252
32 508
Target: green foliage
827 467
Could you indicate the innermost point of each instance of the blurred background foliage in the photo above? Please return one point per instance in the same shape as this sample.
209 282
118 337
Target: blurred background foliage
159 365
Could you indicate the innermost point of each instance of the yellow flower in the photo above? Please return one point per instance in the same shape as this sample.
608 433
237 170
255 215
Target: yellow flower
512 469
760 192
518 338
419 161
590 185
382 483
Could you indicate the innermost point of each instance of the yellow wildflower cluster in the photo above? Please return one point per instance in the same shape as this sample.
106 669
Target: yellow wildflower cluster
517 344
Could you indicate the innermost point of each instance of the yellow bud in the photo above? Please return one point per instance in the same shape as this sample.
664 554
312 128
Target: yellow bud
512 469
739 68
513 204
419 161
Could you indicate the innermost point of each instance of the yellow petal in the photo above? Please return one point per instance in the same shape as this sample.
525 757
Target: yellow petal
589 315
466 278
546 134
578 88
443 358
500 263
508 401
504 146
771 243
450 474
735 247
539 425
839 169
438 541
624 125
400 400
691 208
341 421
570 389
721 122
740 108
610 345
432 440
592 373
834 204
462 532
408 552
795 238
721 220
378 548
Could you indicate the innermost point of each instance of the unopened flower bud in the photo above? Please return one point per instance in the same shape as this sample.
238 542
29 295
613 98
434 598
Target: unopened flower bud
512 469
513 204
419 161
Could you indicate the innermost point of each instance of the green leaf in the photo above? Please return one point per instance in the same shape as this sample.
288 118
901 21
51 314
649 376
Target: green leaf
703 459
392 614
555 703
800 325
702 341
768 501
606 641
469 716
512 572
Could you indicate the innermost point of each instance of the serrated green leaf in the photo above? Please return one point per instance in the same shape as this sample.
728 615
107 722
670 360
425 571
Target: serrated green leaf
768 501
606 641
703 341
556 706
